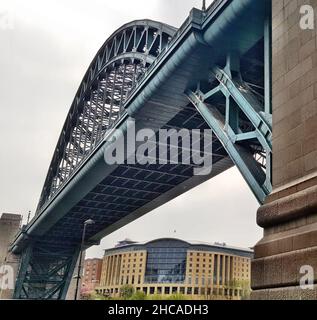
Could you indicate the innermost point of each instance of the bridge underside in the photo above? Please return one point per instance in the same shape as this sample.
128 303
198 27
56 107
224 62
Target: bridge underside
115 195
129 188
127 193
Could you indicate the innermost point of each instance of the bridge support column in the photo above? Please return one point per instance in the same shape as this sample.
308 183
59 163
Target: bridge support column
287 254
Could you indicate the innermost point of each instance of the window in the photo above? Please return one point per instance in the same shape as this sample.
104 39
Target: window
166 262
189 291
196 291
167 290
152 290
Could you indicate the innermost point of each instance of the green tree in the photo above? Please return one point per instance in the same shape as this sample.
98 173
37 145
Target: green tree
177 297
138 295
96 296
155 297
127 292
243 286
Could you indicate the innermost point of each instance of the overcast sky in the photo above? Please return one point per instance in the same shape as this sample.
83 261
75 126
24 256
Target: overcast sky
45 48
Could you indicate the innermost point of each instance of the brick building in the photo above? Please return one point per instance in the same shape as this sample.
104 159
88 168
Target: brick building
91 275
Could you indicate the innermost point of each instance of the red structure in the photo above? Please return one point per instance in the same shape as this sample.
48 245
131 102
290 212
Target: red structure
91 276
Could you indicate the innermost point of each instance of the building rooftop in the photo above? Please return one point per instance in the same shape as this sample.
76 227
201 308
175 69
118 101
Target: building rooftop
10 216
191 245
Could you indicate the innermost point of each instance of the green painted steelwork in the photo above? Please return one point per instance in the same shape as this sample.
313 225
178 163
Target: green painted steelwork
239 101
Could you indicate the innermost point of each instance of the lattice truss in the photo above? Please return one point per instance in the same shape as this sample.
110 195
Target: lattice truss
235 110
99 102
46 273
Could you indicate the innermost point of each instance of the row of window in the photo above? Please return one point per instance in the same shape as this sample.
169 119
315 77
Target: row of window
180 290
197 254
134 266
134 279
134 255
129 260
132 271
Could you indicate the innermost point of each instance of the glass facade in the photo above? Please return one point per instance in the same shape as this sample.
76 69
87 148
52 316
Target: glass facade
166 262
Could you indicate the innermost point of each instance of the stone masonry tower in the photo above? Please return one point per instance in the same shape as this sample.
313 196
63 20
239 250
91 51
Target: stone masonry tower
9 226
289 216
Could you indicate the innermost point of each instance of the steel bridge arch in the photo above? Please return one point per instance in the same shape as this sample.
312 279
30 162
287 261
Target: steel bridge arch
214 97
115 70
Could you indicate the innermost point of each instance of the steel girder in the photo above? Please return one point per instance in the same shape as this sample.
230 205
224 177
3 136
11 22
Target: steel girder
45 272
243 125
98 104
96 107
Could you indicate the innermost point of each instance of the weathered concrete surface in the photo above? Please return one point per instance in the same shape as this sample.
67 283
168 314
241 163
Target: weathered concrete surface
289 217
9 227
